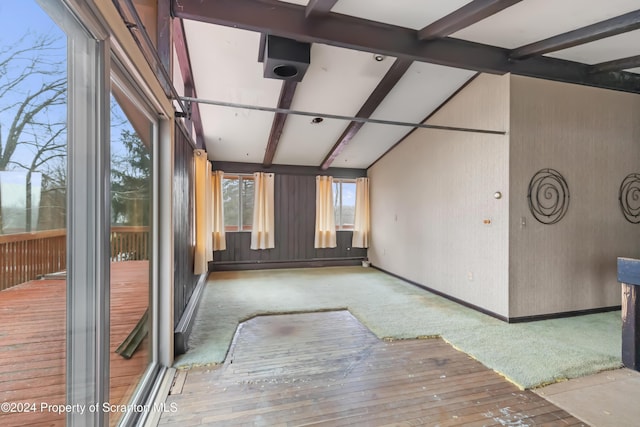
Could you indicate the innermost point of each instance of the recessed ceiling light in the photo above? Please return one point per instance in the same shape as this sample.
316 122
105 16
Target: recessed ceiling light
316 120
378 57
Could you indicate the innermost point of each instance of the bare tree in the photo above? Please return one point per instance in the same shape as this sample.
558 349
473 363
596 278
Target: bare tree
33 87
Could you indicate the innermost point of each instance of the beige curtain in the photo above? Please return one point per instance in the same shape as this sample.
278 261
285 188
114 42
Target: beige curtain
362 226
203 206
325 218
262 229
217 217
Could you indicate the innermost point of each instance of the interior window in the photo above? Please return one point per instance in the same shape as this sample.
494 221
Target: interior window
344 203
237 194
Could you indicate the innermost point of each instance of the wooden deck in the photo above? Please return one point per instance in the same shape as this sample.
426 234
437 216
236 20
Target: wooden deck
328 369
33 344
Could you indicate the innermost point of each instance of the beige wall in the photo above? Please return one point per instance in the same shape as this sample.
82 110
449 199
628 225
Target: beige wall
592 137
431 195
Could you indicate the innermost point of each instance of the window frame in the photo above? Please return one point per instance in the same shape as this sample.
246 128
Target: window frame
239 228
339 221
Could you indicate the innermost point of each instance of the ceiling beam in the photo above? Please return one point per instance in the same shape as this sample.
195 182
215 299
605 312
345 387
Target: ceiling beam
393 76
618 25
184 61
164 38
616 65
319 7
288 20
467 15
262 47
315 8
286 97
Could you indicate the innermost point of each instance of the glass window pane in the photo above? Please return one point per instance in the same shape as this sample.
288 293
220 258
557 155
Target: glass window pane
231 200
33 210
131 221
248 194
348 203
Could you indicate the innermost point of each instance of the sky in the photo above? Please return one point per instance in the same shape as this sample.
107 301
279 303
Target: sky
21 22
18 17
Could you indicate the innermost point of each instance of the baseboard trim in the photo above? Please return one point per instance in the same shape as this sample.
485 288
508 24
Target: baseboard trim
268 265
563 314
520 319
443 295
185 325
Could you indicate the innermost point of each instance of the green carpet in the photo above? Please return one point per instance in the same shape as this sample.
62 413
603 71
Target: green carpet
528 354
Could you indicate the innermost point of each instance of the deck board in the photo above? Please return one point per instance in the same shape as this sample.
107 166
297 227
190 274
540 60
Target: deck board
328 369
33 344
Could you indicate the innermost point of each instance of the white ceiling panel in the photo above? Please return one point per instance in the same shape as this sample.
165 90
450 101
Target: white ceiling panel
225 65
304 143
338 81
423 88
533 20
369 144
235 135
616 47
414 14
226 68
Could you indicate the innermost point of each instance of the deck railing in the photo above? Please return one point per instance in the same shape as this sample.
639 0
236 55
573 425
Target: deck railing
26 256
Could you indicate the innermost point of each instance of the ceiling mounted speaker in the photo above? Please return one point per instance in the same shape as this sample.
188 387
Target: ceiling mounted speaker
286 59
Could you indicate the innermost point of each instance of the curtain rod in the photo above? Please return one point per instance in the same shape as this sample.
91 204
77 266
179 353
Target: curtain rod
337 117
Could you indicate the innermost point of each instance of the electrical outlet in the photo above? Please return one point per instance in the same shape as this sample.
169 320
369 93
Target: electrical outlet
470 276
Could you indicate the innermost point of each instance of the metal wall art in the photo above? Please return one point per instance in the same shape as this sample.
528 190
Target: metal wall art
629 197
548 196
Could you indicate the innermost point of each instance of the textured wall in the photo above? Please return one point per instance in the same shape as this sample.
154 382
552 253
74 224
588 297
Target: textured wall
431 194
591 136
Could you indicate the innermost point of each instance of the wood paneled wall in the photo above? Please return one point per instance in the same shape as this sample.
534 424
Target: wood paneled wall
295 199
183 224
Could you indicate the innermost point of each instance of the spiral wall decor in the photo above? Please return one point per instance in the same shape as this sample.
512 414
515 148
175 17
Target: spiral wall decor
629 197
548 196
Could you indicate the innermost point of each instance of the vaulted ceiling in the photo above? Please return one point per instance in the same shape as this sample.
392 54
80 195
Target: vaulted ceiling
377 67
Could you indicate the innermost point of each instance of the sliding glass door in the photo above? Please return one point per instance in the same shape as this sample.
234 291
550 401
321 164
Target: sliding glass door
78 292
133 135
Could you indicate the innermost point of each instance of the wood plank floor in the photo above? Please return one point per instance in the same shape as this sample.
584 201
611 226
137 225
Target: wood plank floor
33 343
327 369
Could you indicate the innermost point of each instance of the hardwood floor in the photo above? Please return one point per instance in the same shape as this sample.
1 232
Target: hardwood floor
33 343
328 369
